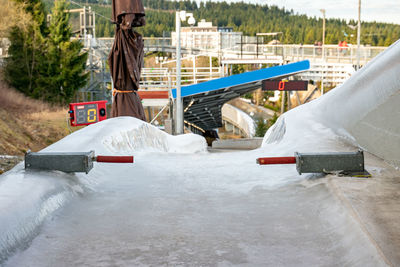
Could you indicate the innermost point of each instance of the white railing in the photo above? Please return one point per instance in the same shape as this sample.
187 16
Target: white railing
289 52
285 52
330 73
164 78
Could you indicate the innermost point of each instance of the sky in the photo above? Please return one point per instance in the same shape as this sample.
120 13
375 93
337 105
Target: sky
371 10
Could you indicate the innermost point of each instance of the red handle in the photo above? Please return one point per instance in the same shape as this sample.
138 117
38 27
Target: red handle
115 159
277 160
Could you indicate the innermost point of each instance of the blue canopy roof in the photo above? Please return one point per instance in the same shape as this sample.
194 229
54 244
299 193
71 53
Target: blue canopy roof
202 102
243 78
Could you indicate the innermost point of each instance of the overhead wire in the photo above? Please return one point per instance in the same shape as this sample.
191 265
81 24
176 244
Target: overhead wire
98 14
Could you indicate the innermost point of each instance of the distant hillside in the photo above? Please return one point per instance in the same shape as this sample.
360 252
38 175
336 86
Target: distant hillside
250 19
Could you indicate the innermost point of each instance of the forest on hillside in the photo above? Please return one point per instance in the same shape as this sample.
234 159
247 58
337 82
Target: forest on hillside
249 19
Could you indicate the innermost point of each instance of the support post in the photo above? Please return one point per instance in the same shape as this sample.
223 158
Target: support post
358 35
211 67
194 69
298 98
179 108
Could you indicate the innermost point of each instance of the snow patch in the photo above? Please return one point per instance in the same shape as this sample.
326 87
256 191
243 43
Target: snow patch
27 197
127 135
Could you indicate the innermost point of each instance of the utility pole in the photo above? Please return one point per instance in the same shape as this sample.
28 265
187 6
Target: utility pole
358 35
180 15
179 109
323 33
323 49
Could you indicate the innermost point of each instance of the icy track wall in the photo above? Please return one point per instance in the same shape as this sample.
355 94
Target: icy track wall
365 110
28 197
239 117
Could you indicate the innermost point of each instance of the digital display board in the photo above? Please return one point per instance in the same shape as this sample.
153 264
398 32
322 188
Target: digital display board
87 112
275 85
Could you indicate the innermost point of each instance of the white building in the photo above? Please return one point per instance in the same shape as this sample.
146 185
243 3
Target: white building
207 36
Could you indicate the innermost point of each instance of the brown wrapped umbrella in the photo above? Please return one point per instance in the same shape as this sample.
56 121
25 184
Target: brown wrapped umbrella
126 57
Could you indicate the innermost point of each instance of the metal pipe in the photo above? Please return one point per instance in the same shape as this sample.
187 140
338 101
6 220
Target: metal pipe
158 114
115 159
276 160
323 33
358 35
179 108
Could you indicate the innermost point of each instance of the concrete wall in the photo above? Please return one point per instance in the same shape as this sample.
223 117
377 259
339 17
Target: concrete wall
241 144
239 118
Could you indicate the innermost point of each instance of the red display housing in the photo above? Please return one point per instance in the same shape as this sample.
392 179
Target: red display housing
274 85
86 113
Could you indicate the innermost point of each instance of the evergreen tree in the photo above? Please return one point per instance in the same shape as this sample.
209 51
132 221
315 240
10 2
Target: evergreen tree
43 62
107 31
261 127
252 19
27 45
64 71
37 10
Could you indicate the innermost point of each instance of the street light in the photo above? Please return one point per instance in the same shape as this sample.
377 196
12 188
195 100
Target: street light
323 33
358 35
180 16
323 49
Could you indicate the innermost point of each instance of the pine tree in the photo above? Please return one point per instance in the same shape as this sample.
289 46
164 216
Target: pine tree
27 45
64 71
261 127
44 63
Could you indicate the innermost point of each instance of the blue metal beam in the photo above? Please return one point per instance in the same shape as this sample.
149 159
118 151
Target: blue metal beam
244 78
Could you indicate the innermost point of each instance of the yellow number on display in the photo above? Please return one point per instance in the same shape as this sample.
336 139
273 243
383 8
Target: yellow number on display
91 115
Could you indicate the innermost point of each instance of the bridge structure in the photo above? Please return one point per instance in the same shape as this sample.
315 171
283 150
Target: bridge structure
252 53
333 65
330 64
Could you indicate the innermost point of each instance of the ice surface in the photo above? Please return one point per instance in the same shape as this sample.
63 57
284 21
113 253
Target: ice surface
179 205
170 208
28 197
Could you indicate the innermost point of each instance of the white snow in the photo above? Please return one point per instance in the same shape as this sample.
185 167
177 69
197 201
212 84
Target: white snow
363 111
127 135
181 164
28 197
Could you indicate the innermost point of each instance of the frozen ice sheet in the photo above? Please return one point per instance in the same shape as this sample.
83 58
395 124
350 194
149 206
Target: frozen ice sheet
179 205
178 210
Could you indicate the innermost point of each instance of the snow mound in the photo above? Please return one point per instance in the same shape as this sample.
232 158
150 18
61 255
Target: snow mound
27 197
363 111
124 135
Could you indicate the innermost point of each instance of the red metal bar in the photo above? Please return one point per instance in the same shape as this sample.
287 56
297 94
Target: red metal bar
153 94
115 159
276 160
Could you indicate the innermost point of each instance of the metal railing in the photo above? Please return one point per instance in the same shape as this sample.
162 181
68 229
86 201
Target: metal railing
164 78
291 52
330 73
